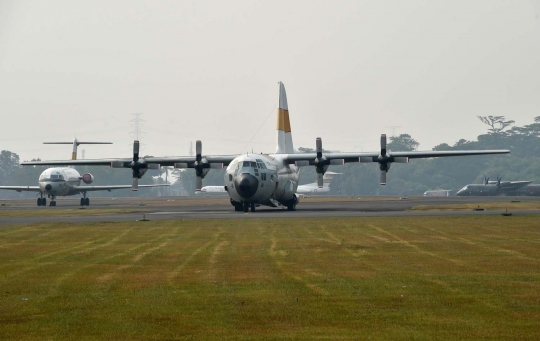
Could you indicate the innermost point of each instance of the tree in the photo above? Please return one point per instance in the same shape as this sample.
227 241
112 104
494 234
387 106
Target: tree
9 164
402 143
497 123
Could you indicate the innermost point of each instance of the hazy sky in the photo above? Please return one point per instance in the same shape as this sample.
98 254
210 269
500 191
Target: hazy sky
209 70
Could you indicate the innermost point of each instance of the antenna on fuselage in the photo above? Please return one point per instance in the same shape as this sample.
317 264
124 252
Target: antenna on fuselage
75 144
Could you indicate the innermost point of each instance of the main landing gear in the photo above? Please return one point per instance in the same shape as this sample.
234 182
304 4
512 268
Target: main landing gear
41 202
84 200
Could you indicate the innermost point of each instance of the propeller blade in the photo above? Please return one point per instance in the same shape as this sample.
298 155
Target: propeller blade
136 150
383 144
320 180
198 184
383 178
135 184
198 149
318 144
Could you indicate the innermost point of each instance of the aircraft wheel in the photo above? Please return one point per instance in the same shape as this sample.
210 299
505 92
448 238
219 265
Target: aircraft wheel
82 201
87 201
246 207
52 203
39 201
238 207
44 202
253 207
291 207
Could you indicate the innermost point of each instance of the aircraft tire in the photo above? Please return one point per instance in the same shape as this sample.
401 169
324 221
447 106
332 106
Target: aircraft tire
238 207
44 202
253 207
82 201
246 207
39 201
87 201
291 207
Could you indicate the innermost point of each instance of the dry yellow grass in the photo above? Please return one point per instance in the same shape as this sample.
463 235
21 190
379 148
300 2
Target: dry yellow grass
493 206
64 212
446 278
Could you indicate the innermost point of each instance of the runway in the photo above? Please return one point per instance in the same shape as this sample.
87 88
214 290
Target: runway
165 208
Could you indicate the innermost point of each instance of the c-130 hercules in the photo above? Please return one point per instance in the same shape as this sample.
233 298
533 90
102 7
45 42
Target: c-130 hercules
267 179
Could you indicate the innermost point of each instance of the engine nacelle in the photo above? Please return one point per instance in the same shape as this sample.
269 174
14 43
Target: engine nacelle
87 178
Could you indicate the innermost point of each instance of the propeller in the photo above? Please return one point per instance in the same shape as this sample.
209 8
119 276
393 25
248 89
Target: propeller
201 165
385 159
321 162
486 180
138 166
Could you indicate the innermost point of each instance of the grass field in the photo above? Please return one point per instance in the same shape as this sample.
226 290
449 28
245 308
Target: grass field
445 278
491 206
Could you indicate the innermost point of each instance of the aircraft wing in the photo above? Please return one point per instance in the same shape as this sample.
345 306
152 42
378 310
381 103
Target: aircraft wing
305 159
109 188
162 161
514 184
22 188
172 160
94 162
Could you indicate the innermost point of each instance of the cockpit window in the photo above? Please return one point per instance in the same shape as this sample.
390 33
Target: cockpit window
246 164
464 188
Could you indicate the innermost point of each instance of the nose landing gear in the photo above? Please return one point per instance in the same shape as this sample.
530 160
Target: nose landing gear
53 201
249 207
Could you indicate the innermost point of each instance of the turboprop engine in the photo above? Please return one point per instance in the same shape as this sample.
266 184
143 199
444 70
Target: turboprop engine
87 178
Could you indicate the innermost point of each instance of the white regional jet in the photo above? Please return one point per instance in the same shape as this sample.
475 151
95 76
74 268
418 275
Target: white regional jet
66 181
267 179
313 188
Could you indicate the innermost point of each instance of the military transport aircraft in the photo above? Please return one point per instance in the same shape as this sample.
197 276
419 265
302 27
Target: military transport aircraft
267 179
66 181
494 188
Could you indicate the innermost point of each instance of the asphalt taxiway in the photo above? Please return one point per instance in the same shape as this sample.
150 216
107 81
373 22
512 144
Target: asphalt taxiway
165 208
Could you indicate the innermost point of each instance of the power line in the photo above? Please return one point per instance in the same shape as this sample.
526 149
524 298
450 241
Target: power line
137 123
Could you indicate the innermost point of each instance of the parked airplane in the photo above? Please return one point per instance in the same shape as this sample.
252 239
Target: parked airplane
267 179
313 188
302 190
66 181
494 188
212 191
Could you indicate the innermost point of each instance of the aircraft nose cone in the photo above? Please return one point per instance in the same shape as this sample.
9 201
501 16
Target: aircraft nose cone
246 185
48 187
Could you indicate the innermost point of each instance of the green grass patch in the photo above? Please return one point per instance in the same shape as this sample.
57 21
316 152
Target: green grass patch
435 278
63 212
492 206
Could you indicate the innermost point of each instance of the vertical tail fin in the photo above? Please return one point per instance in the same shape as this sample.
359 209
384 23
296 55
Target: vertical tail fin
75 144
284 136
